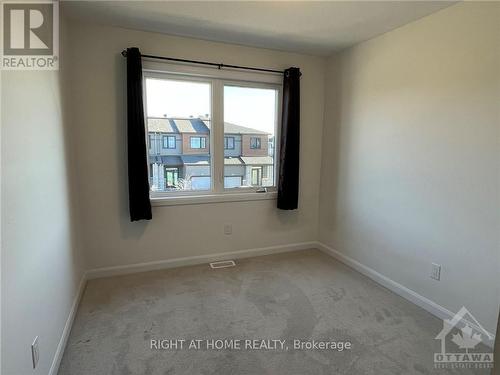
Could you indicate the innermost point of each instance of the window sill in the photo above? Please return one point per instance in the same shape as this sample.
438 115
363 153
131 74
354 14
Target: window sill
212 198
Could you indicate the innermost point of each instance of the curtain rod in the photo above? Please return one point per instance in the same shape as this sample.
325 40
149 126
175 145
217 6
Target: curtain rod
218 66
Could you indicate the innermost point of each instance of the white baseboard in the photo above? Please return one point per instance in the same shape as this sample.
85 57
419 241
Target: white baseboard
412 296
197 259
54 368
390 284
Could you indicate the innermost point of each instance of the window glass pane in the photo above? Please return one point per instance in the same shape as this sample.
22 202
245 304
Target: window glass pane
195 142
169 142
249 136
178 121
229 143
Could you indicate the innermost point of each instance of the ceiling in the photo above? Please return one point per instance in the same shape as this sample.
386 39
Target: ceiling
318 28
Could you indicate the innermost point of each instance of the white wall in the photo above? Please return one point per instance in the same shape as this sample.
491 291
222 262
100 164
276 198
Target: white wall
98 96
41 267
410 170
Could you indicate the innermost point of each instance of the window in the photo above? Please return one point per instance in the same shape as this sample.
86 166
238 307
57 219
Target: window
251 112
196 113
198 142
257 176
169 141
179 107
228 143
255 143
171 177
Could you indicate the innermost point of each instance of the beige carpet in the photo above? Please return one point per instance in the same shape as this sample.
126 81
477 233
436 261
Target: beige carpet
301 295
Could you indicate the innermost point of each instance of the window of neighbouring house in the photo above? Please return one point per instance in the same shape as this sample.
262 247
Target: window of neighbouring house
187 124
198 142
255 143
169 141
228 143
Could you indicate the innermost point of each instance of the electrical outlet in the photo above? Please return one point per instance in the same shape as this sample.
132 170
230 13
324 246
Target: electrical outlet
35 354
228 229
436 271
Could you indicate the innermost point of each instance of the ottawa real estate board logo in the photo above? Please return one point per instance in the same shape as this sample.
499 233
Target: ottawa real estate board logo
30 35
465 344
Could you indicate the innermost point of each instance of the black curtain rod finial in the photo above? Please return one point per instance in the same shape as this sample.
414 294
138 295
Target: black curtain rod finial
124 53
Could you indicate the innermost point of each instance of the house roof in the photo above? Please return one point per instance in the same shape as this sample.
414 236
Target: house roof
232 161
195 159
257 160
230 128
193 125
169 160
178 125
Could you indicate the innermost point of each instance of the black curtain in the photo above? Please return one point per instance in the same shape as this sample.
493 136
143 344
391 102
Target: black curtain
138 184
288 178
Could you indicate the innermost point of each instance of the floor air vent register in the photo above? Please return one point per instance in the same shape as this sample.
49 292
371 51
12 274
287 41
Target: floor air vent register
222 264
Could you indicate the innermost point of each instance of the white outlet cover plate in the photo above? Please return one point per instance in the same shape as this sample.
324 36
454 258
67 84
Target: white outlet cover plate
436 271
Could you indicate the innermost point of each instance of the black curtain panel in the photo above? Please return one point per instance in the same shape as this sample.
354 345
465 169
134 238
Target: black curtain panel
288 178
138 184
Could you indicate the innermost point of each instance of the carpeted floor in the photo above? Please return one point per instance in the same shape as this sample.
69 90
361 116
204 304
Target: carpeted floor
300 295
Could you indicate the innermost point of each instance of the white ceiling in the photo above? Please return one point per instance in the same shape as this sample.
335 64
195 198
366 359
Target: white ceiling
318 28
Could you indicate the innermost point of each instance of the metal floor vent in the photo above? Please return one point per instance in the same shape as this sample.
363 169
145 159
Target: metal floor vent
222 264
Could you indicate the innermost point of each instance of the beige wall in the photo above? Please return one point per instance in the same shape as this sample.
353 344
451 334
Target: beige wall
41 264
410 170
98 97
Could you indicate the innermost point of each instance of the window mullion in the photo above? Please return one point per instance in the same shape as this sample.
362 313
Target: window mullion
217 136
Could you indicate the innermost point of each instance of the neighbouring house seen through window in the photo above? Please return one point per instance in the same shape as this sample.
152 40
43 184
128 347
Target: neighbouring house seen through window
178 116
179 124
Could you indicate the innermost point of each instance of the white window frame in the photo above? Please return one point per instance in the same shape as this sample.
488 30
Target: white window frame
217 79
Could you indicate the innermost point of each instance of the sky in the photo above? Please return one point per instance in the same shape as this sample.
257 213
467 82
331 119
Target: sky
250 107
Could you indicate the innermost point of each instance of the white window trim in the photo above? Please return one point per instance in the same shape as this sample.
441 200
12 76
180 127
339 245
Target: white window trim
217 79
179 200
